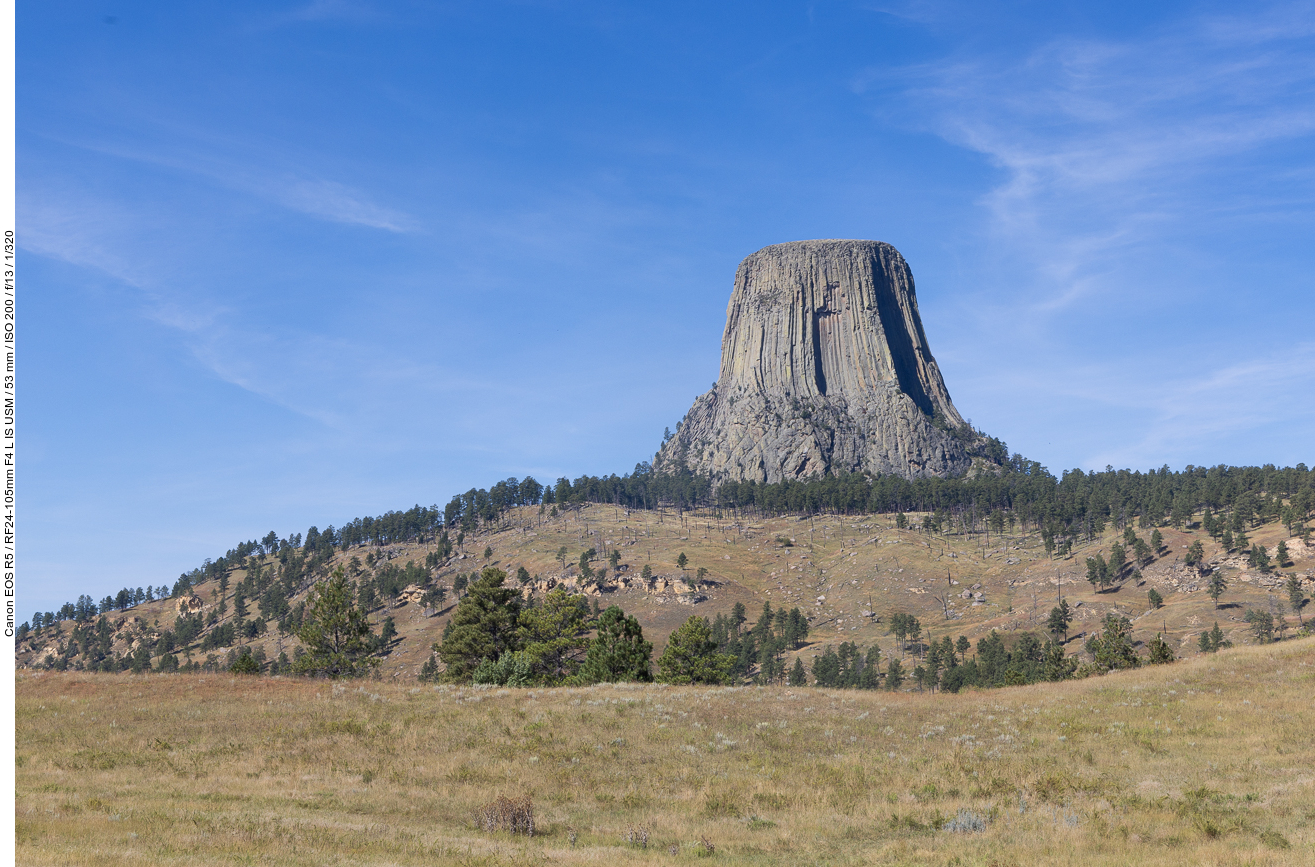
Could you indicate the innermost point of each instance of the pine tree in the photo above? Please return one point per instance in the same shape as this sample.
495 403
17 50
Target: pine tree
335 632
552 635
826 668
691 657
1217 637
1296 596
1161 652
1215 587
797 675
1113 648
619 652
1281 556
1055 665
1118 557
1060 618
245 663
1195 554
484 626
894 675
1262 625
738 615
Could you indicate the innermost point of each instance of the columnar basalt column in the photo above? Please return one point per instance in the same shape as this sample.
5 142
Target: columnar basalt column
825 368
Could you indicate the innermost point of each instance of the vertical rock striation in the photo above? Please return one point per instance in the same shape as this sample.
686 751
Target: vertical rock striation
825 368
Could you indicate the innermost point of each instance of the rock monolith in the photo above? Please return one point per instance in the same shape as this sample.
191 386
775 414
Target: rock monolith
825 368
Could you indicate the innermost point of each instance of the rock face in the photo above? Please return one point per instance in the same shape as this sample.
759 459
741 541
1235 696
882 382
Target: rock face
825 368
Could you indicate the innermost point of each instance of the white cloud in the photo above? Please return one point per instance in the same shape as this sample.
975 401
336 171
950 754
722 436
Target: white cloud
261 170
1104 146
1248 397
335 202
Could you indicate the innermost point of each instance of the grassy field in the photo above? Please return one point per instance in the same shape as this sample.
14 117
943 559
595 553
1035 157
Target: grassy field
1210 761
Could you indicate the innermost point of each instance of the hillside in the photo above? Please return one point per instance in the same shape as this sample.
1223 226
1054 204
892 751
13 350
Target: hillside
1203 762
847 574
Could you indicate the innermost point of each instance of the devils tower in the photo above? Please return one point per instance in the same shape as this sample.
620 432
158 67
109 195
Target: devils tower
825 368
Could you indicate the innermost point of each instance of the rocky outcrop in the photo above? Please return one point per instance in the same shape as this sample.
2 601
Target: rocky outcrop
825 368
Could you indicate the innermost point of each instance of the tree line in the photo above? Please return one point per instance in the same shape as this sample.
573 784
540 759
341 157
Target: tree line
1022 492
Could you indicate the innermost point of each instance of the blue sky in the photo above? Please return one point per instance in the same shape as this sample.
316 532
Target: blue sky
286 264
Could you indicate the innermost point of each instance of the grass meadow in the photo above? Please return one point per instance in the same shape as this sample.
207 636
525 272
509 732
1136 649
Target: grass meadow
1210 761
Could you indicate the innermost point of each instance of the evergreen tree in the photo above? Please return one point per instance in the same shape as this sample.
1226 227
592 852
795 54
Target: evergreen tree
1098 572
1113 649
797 675
388 632
1118 557
245 663
1215 587
691 657
1262 625
1153 596
1058 622
894 675
1055 665
552 636
1217 637
1157 541
871 676
826 668
1195 554
483 627
335 632
1281 556
1161 652
619 652
1296 596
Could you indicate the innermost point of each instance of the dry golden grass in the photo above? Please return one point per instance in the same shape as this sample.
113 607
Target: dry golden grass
857 563
1209 761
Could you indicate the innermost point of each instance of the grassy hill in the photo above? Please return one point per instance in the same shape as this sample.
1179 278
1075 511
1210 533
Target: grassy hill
1203 762
847 574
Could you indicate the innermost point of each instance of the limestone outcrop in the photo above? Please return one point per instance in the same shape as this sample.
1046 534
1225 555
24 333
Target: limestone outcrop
825 368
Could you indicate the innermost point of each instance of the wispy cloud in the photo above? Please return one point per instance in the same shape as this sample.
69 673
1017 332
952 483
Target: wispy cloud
1188 415
264 170
1105 145
338 203
322 10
